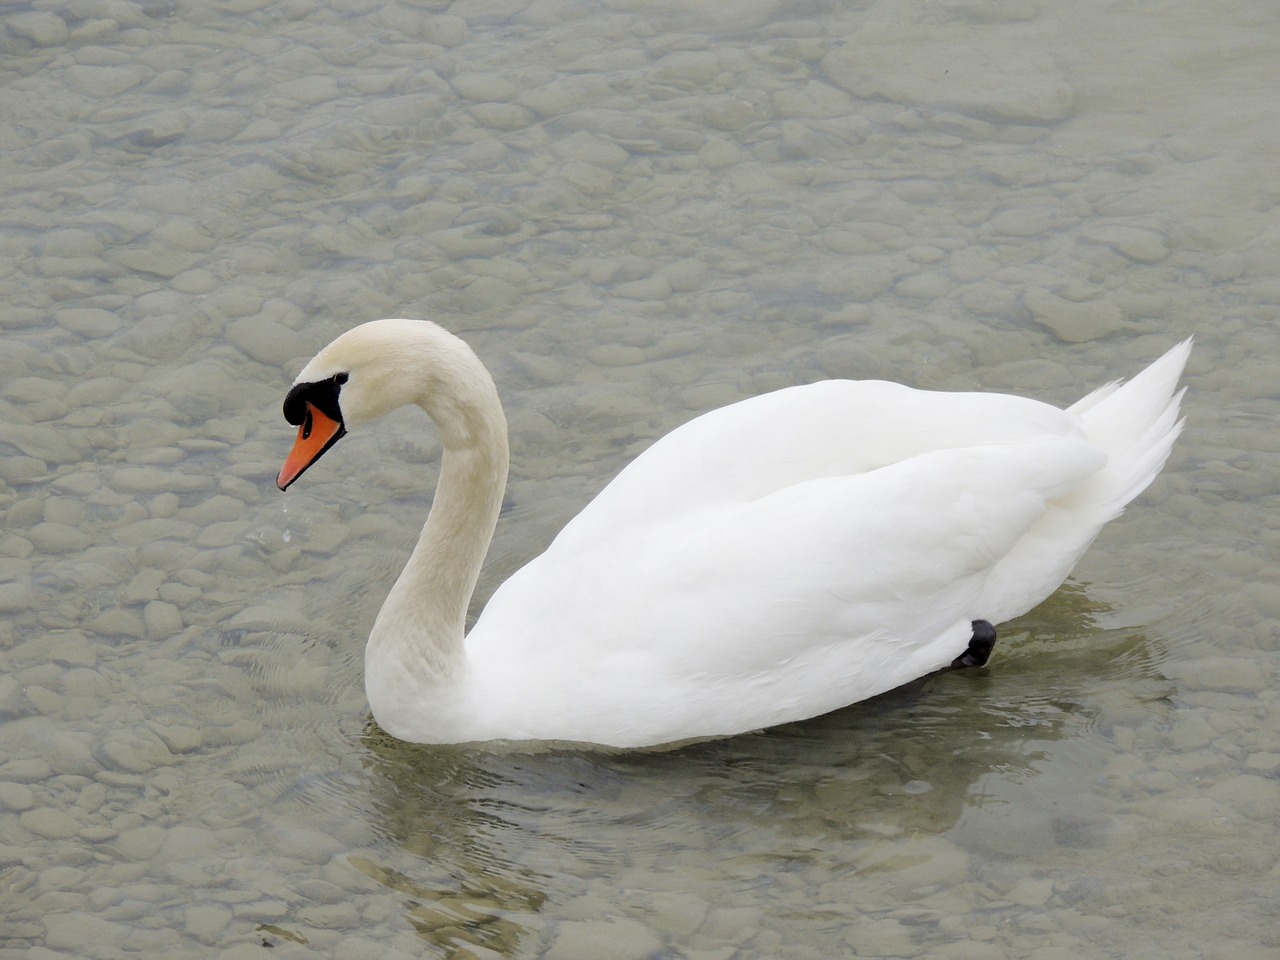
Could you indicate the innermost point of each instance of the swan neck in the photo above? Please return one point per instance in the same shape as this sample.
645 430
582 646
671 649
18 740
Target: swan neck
420 629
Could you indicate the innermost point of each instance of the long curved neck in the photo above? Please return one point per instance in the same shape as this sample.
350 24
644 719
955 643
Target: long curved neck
421 626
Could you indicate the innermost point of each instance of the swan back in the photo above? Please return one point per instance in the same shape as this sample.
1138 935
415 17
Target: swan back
759 446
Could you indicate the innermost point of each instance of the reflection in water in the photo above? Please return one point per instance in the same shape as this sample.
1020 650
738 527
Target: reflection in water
860 802
474 912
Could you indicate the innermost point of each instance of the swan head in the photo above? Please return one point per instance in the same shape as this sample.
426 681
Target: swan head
313 407
378 367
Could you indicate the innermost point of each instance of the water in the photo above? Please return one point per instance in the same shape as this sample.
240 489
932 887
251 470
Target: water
634 211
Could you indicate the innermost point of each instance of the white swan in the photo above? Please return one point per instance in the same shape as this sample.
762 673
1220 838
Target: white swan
769 561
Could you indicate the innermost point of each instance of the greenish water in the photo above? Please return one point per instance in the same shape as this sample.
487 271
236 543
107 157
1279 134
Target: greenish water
634 211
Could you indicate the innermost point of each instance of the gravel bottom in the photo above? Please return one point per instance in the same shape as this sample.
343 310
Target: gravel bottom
634 212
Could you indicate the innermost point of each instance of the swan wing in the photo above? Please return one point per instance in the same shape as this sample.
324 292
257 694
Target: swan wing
747 613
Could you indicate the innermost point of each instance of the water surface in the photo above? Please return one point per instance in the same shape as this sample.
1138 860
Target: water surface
635 211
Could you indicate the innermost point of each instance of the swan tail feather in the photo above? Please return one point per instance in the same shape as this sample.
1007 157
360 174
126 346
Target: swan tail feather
1135 423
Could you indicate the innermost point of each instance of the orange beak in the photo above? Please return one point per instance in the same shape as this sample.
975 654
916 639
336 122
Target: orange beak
317 433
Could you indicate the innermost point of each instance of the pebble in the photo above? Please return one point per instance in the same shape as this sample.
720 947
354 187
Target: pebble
241 730
685 276
62 878
483 87
1071 321
46 702
158 261
588 178
1030 892
651 288
16 797
134 750
1143 246
161 620
269 341
263 911
105 81
15 597
990 75
923 286
309 845
179 594
589 148
195 281
1232 674
335 916
50 822
207 922
151 529
1264 762
321 891
18 470
1240 949
91 797
881 938
563 95
1253 796
144 586
617 939
142 479
163 336
59 538
140 844
1192 732
116 622
29 390
178 738
73 930
42 28
183 843
678 914
814 100
25 770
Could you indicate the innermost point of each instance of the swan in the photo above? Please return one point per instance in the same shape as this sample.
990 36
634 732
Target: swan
769 561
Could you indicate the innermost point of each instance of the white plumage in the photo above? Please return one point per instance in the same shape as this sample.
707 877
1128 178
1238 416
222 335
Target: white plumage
769 561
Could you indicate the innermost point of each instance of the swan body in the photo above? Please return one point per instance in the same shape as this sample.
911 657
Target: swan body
769 561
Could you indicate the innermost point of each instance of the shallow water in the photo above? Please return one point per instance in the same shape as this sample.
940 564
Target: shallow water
634 211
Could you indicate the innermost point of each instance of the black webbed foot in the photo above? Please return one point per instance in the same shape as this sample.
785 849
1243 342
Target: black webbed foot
981 644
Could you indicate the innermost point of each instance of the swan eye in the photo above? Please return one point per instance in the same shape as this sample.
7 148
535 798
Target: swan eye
340 378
